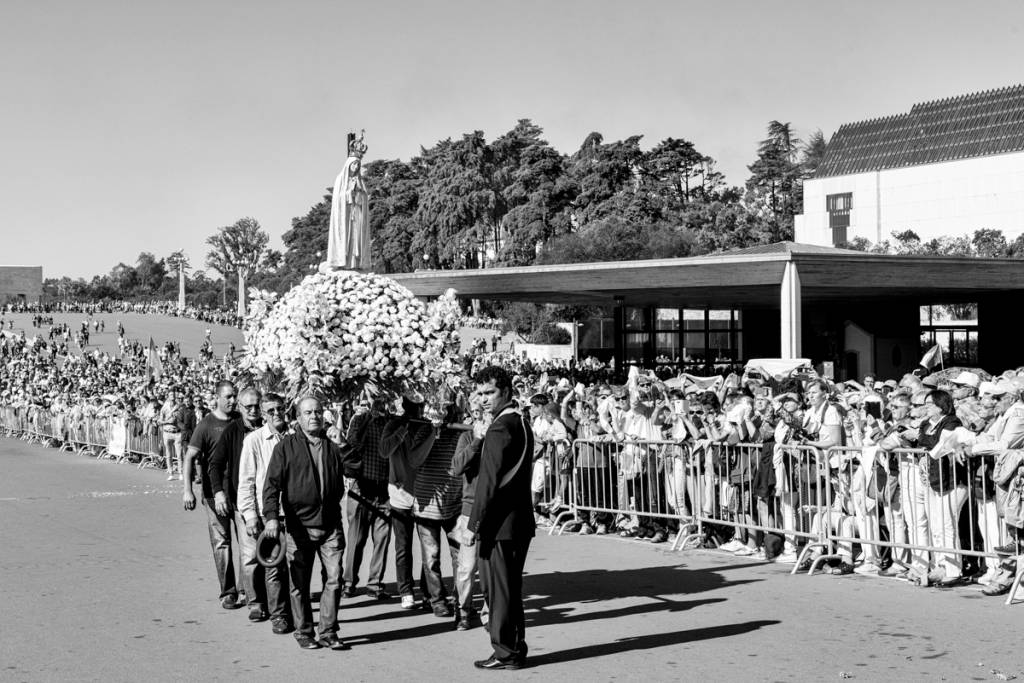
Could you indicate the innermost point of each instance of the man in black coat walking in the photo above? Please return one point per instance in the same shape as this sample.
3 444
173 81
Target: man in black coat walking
502 518
305 480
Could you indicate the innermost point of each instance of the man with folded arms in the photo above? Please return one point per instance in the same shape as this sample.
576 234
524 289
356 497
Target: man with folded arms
269 584
305 481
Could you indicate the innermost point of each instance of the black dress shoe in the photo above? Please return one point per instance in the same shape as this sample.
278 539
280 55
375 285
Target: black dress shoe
307 643
280 625
332 641
348 592
378 594
257 613
230 602
494 663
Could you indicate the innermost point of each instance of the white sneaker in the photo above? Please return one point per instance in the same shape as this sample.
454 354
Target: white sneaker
732 546
408 602
866 568
171 477
986 578
759 555
744 551
787 557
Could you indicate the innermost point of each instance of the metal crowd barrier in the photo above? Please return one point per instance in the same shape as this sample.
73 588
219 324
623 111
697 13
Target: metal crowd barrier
110 438
927 513
825 501
629 481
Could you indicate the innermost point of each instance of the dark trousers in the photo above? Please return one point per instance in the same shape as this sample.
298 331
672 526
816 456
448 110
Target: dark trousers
276 583
402 524
594 490
430 531
219 527
303 546
362 525
501 575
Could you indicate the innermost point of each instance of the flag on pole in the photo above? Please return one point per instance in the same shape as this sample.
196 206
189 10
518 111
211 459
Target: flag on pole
154 366
931 357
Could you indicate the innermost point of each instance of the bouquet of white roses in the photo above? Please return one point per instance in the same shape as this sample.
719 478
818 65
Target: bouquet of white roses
342 332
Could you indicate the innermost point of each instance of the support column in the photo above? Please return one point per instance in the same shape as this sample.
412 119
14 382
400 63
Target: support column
619 333
181 287
790 309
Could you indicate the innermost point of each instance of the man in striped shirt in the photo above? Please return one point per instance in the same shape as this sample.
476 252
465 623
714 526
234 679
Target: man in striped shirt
271 584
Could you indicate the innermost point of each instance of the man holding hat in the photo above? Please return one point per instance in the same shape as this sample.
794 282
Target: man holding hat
270 584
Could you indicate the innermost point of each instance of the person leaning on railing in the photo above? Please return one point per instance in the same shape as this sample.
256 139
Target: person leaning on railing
591 459
947 480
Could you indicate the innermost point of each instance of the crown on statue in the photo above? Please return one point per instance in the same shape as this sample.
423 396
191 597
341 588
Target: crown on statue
356 147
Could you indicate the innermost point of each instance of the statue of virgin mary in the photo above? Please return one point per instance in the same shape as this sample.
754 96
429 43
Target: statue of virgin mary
348 241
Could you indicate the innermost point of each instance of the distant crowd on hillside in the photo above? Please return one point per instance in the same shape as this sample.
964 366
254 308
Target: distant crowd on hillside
170 308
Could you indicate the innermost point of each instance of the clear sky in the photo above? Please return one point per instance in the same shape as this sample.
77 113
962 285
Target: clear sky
132 125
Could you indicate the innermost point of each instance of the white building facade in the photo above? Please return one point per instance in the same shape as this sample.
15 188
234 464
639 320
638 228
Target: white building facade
947 168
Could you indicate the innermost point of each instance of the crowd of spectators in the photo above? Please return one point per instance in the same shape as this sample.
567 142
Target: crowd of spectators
217 316
896 466
156 392
893 466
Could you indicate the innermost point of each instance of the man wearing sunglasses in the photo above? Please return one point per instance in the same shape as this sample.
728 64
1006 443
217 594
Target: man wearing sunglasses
222 471
270 584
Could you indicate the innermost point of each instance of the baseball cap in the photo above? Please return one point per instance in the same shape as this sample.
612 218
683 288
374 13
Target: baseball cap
993 388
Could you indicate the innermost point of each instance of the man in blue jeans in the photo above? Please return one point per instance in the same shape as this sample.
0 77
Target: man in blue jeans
200 450
305 479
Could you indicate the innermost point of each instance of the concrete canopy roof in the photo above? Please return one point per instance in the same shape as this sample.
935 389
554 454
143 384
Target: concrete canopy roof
747 277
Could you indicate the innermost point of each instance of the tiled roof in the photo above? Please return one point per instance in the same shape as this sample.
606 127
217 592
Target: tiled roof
787 247
979 124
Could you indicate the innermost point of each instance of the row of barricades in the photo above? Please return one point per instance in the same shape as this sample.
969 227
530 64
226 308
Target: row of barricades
899 506
105 438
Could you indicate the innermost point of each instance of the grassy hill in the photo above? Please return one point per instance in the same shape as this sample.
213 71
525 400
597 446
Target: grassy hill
189 333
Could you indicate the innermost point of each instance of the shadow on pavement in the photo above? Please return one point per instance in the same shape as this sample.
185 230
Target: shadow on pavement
647 642
592 585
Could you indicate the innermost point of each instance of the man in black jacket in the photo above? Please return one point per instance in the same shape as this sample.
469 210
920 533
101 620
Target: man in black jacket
305 480
502 517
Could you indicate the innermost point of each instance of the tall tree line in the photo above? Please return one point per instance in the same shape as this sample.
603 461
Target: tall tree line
516 200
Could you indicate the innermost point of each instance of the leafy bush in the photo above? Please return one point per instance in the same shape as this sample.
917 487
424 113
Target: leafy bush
550 334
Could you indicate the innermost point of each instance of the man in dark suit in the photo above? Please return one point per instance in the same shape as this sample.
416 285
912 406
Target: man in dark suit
502 518
305 481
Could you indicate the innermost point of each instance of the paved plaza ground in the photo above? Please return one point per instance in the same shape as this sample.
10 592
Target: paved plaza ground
104 577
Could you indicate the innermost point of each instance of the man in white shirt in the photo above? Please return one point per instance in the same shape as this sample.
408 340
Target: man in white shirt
271 584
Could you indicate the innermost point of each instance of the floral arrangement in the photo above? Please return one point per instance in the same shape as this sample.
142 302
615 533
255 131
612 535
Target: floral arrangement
339 333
